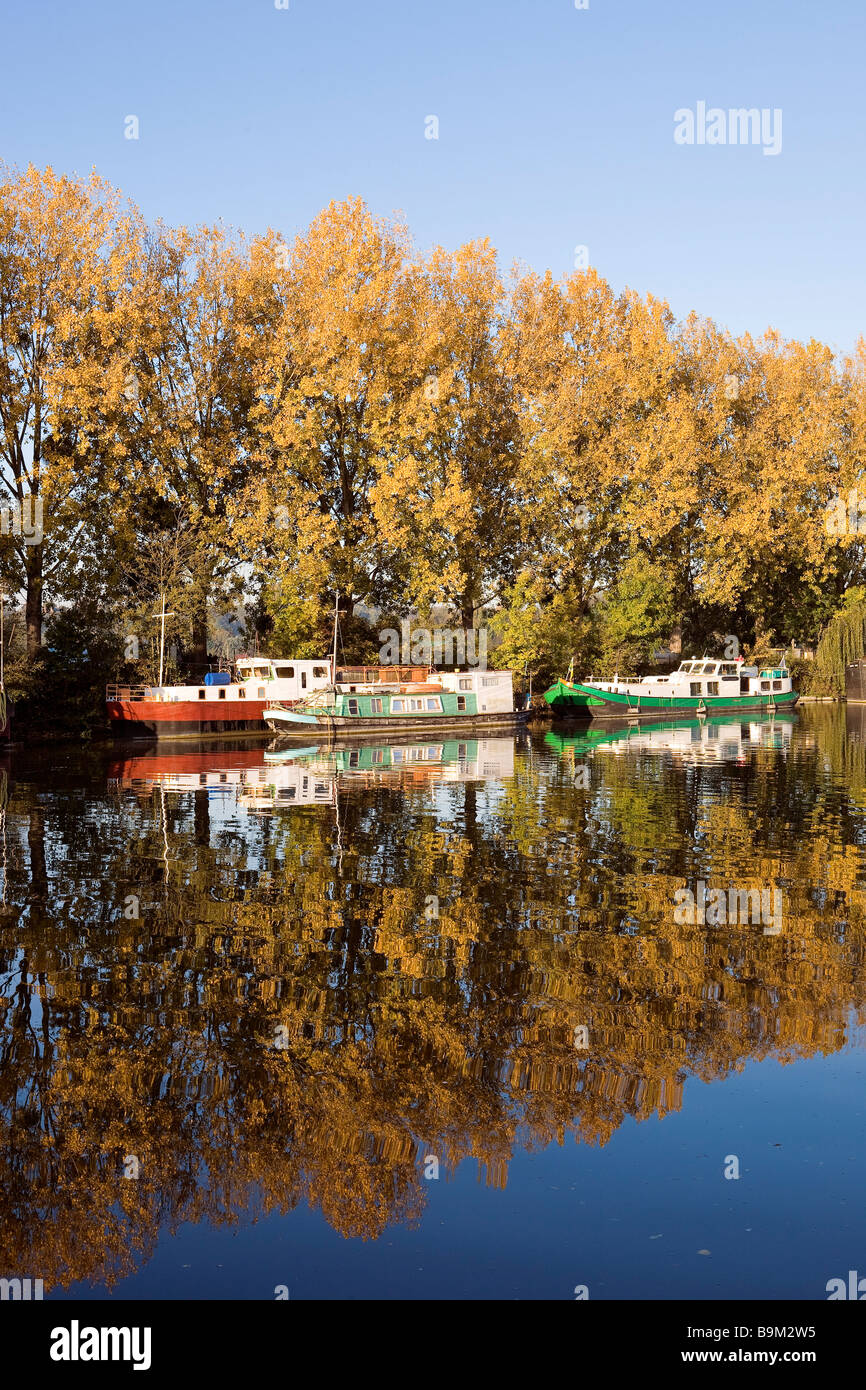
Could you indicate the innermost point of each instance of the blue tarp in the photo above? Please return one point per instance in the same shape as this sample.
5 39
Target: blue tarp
218 678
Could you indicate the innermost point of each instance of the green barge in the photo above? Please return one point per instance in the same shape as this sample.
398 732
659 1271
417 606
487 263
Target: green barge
450 700
696 688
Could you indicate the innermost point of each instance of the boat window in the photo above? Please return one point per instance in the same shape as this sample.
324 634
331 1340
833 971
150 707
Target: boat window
285 673
461 703
728 668
320 673
201 694
777 685
686 667
416 704
353 707
694 688
376 706
398 706
260 673
303 680
712 687
765 685
711 668
262 694
242 694
433 702
221 694
464 684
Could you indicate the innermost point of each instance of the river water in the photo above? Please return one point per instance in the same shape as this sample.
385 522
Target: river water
437 1020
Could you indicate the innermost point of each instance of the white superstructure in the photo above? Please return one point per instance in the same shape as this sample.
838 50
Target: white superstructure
257 678
705 678
493 690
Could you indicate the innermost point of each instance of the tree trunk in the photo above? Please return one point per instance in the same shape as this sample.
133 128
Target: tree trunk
33 569
198 651
468 606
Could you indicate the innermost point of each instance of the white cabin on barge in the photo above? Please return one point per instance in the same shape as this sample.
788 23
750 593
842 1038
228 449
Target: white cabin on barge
703 679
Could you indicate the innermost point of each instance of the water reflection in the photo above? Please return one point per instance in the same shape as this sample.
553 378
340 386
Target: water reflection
449 949
693 740
407 762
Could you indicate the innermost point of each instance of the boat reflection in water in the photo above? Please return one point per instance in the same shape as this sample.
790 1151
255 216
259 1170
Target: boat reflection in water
690 740
282 778
403 764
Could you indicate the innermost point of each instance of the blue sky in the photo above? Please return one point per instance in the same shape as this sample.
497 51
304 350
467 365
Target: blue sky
555 131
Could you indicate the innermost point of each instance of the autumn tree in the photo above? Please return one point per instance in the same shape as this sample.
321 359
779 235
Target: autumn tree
183 457
333 357
773 442
67 252
445 496
605 474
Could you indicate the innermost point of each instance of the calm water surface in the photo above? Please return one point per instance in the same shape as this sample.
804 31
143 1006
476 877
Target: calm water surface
421 1021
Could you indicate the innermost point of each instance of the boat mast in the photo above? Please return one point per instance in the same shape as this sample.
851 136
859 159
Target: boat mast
162 615
336 620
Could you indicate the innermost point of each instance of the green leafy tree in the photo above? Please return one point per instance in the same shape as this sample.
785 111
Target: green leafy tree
636 615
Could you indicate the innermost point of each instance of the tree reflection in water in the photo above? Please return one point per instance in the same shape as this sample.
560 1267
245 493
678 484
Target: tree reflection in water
457 951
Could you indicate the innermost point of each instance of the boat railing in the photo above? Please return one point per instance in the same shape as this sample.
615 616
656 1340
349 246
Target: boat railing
129 692
376 675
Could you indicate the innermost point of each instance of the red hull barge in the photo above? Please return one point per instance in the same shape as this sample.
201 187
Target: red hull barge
219 705
156 718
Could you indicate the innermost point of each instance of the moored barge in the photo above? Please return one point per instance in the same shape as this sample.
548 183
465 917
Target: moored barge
447 700
223 705
219 705
697 687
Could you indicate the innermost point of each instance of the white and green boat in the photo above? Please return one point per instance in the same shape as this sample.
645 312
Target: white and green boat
697 687
381 702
